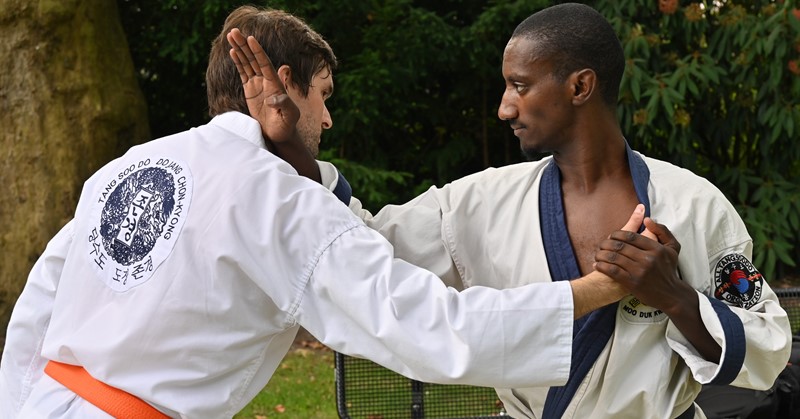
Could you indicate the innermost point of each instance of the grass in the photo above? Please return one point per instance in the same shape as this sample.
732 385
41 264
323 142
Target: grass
302 387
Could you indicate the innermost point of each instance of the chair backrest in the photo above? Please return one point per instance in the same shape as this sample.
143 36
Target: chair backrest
365 390
790 301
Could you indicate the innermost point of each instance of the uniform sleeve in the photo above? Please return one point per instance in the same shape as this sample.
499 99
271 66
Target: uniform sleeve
744 316
22 364
361 301
414 229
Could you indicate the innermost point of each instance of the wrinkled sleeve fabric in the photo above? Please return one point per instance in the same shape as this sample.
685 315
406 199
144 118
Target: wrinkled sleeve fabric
417 231
29 323
752 328
415 228
363 302
755 341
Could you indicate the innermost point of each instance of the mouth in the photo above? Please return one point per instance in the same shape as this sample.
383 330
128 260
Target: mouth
517 129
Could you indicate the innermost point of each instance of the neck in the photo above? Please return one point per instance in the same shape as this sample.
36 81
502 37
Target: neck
597 155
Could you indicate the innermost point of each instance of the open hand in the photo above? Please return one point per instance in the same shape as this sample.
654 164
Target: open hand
266 95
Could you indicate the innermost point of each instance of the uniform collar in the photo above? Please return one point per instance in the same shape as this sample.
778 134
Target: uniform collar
241 125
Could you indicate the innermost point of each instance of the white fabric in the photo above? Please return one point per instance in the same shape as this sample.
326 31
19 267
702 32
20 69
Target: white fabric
261 252
329 175
483 230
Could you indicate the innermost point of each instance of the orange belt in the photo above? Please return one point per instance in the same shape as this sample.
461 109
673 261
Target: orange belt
111 400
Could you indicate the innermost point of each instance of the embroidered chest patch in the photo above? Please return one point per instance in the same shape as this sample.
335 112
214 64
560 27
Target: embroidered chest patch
138 217
737 281
634 311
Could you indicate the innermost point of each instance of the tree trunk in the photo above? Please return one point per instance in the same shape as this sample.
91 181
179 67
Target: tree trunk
69 102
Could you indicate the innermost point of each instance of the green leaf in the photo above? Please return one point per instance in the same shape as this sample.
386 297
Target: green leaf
636 89
769 44
794 221
690 84
666 103
783 251
769 263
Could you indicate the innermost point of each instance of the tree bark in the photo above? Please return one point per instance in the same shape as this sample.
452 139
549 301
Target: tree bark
69 102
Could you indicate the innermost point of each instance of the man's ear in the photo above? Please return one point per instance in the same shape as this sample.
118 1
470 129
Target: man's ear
285 75
584 83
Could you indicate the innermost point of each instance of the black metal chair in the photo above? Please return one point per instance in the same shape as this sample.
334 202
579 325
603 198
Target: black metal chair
790 301
365 390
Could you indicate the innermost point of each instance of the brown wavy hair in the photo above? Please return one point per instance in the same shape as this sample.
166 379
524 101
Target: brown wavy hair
287 40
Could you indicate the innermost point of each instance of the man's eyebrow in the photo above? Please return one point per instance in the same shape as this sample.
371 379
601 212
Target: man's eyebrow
514 78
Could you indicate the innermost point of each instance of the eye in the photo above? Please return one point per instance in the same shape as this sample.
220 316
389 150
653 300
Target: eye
519 88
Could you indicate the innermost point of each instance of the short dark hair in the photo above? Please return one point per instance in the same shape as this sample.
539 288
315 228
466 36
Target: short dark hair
287 40
575 36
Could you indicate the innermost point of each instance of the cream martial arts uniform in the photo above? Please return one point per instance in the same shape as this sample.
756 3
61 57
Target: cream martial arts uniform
487 229
192 261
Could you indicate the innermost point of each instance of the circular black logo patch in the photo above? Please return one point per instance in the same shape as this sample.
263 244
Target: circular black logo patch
137 217
136 213
737 281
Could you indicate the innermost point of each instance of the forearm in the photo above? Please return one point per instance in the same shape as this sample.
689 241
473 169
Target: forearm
686 317
594 291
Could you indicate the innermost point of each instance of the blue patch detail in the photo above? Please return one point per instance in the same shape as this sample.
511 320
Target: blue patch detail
136 213
735 345
591 332
343 191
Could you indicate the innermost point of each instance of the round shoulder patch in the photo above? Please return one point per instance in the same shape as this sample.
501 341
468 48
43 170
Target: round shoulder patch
737 281
137 219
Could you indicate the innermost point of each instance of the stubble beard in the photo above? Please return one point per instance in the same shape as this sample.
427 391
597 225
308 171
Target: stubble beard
311 139
312 144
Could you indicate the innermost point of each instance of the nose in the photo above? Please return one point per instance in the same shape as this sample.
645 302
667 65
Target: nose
507 109
327 121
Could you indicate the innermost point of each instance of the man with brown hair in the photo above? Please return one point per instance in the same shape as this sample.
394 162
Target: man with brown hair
193 259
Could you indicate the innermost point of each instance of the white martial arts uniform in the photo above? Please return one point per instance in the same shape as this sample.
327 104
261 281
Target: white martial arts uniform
192 261
485 230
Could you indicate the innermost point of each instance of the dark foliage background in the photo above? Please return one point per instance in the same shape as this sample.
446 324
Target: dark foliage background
711 86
